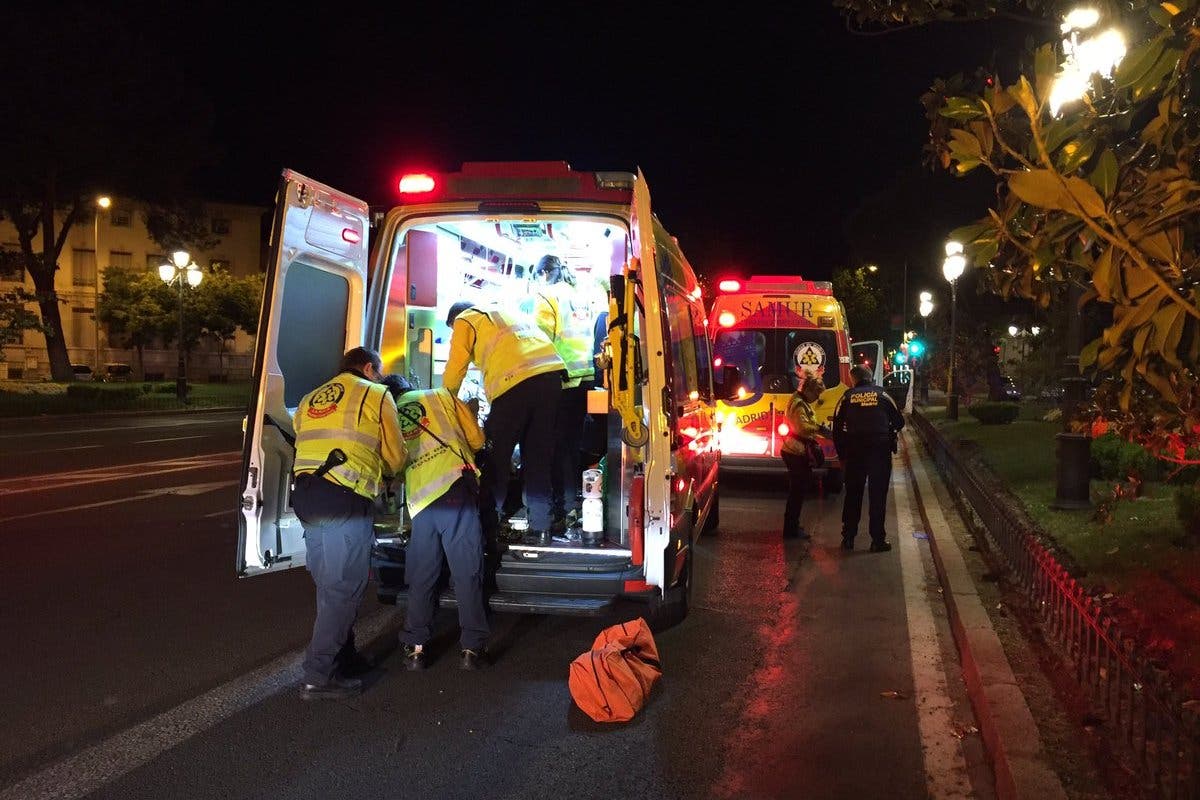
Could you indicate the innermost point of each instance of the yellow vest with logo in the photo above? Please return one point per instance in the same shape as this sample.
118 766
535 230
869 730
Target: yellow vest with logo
343 414
509 348
570 330
433 466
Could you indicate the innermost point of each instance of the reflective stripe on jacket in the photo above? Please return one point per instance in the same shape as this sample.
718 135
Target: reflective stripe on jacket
571 331
433 466
506 346
358 417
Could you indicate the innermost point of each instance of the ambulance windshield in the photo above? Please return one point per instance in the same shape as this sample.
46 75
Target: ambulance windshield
769 359
492 263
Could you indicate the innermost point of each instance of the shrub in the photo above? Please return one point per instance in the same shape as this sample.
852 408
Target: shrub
1115 459
147 388
993 413
83 391
1187 507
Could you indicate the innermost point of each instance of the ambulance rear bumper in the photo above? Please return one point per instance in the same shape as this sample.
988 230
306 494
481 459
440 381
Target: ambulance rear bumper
767 465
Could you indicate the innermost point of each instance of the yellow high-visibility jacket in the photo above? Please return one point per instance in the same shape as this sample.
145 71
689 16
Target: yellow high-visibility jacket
358 417
433 466
554 312
506 346
803 422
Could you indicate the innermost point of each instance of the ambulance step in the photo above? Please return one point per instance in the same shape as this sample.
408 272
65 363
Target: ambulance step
548 604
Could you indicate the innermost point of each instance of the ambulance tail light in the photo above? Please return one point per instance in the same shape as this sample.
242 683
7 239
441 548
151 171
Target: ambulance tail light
417 183
726 319
717 362
783 429
730 285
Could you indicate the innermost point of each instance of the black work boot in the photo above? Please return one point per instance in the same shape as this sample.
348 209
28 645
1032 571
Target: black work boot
333 689
880 546
414 658
537 538
473 660
847 541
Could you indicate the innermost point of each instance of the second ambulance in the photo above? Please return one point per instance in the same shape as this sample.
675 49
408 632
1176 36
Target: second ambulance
773 329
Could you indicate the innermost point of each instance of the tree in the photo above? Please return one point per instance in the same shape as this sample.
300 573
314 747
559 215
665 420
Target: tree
15 316
82 115
863 302
224 304
134 308
1101 193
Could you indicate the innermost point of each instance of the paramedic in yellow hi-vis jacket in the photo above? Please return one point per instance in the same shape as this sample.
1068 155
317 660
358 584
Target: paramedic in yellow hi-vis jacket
522 377
347 440
564 316
442 493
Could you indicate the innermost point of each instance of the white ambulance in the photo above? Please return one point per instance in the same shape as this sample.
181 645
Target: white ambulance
473 235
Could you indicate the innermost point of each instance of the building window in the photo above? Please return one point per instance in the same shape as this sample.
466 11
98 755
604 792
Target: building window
119 258
83 328
10 262
220 226
154 261
121 218
221 264
83 268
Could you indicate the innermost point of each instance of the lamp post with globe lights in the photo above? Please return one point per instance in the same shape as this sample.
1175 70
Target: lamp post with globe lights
925 309
952 270
103 203
182 270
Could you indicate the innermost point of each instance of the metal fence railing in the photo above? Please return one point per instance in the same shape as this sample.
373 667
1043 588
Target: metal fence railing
1144 715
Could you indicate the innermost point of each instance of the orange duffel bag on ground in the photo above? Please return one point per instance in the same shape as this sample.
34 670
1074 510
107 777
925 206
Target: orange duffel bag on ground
612 681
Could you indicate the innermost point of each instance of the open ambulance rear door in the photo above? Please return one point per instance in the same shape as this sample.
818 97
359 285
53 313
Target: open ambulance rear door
657 451
870 355
312 312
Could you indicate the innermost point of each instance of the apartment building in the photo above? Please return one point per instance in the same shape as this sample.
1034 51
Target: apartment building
117 236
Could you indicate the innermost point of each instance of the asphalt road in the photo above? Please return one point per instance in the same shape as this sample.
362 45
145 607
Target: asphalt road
799 673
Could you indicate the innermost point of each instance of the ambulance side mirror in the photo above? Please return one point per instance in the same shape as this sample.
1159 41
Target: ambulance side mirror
729 380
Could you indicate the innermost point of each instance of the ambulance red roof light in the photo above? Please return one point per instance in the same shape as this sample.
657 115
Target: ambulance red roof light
417 183
726 319
730 285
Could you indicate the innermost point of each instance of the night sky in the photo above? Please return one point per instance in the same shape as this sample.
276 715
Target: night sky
761 128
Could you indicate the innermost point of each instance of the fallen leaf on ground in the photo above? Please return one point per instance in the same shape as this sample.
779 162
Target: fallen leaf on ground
1113 551
893 695
960 730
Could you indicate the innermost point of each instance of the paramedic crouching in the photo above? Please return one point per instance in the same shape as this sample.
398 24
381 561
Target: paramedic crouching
347 440
865 425
441 437
522 377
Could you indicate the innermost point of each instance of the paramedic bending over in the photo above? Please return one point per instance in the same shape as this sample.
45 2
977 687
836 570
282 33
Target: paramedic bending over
522 378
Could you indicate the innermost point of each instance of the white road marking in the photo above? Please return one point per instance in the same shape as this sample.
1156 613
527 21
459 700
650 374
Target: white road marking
945 766
171 439
89 770
65 449
187 490
75 478
220 419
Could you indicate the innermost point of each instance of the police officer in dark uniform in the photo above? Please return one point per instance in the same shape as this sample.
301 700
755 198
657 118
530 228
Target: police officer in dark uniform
865 425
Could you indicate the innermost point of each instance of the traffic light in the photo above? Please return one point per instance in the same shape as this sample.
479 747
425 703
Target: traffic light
916 348
900 358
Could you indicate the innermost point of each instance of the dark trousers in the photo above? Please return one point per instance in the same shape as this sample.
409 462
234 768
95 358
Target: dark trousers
869 468
448 526
338 535
799 480
567 478
524 415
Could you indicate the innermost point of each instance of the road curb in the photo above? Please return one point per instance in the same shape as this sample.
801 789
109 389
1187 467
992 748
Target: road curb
121 414
1006 724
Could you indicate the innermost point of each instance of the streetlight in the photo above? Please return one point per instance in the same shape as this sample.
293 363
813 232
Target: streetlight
925 309
181 270
952 270
872 268
103 203
1099 54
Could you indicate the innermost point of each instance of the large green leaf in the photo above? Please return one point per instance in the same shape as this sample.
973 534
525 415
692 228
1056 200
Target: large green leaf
1148 83
1087 356
961 109
1045 68
1087 198
1104 276
1138 62
1022 92
1104 176
1075 153
1038 187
